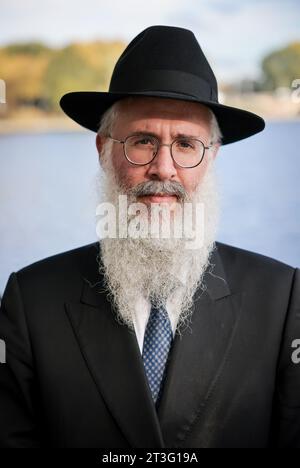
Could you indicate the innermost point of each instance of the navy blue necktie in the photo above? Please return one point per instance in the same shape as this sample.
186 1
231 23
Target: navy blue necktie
157 342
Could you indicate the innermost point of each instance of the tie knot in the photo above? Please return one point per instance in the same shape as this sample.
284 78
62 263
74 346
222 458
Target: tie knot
158 312
157 304
157 342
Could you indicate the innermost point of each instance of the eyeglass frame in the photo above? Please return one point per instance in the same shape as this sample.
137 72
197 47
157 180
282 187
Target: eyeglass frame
158 146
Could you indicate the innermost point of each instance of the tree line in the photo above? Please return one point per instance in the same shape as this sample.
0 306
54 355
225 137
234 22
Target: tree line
37 75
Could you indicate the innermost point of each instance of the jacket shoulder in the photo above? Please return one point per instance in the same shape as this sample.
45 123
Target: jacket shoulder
64 268
239 263
239 254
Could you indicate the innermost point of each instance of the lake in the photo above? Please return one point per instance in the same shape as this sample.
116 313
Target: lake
47 194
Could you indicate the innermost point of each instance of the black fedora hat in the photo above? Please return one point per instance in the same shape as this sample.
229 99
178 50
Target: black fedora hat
163 62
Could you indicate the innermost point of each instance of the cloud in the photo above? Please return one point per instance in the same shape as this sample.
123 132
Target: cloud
233 34
56 22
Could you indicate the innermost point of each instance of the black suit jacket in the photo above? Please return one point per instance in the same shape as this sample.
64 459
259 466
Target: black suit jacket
74 376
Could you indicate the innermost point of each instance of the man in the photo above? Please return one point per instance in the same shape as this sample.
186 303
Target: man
141 341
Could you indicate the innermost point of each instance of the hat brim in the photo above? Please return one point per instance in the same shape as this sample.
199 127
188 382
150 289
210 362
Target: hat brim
86 108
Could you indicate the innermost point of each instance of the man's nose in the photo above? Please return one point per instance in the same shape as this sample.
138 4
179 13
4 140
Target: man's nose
163 165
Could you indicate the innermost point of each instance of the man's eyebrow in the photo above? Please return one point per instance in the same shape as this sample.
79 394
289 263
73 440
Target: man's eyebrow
173 135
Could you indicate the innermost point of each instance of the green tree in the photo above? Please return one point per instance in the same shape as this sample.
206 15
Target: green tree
36 75
78 67
27 48
281 67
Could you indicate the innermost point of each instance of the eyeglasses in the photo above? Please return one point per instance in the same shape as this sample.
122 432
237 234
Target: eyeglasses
141 149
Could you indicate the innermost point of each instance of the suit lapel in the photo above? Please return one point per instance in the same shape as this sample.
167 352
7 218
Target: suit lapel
113 357
196 359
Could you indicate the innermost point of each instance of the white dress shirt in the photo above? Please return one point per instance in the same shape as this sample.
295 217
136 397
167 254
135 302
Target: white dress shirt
143 307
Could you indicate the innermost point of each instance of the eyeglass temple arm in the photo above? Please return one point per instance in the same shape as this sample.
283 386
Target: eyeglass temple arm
114 139
123 141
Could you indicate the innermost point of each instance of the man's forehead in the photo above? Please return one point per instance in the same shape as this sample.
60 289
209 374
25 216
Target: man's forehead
176 130
150 113
151 104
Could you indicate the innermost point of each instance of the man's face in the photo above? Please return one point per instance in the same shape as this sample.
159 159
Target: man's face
151 266
165 118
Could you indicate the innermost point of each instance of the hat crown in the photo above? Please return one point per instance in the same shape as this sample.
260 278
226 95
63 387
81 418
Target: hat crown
162 62
162 56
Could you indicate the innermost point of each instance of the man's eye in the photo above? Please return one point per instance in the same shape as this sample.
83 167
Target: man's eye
185 144
144 141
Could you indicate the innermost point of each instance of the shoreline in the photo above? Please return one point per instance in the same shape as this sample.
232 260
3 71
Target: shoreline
41 124
271 106
64 125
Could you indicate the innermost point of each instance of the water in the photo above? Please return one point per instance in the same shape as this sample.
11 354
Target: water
47 194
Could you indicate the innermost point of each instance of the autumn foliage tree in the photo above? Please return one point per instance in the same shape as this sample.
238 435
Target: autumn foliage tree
36 75
281 67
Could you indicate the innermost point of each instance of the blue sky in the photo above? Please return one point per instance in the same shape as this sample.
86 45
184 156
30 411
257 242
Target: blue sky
234 34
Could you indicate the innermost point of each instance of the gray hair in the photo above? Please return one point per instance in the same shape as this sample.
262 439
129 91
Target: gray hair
109 117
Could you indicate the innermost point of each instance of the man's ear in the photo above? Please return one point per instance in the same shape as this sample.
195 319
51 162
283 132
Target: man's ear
215 149
99 145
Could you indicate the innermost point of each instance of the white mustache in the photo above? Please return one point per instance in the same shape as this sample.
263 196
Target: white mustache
154 187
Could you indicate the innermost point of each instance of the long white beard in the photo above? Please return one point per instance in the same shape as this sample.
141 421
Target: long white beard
149 266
